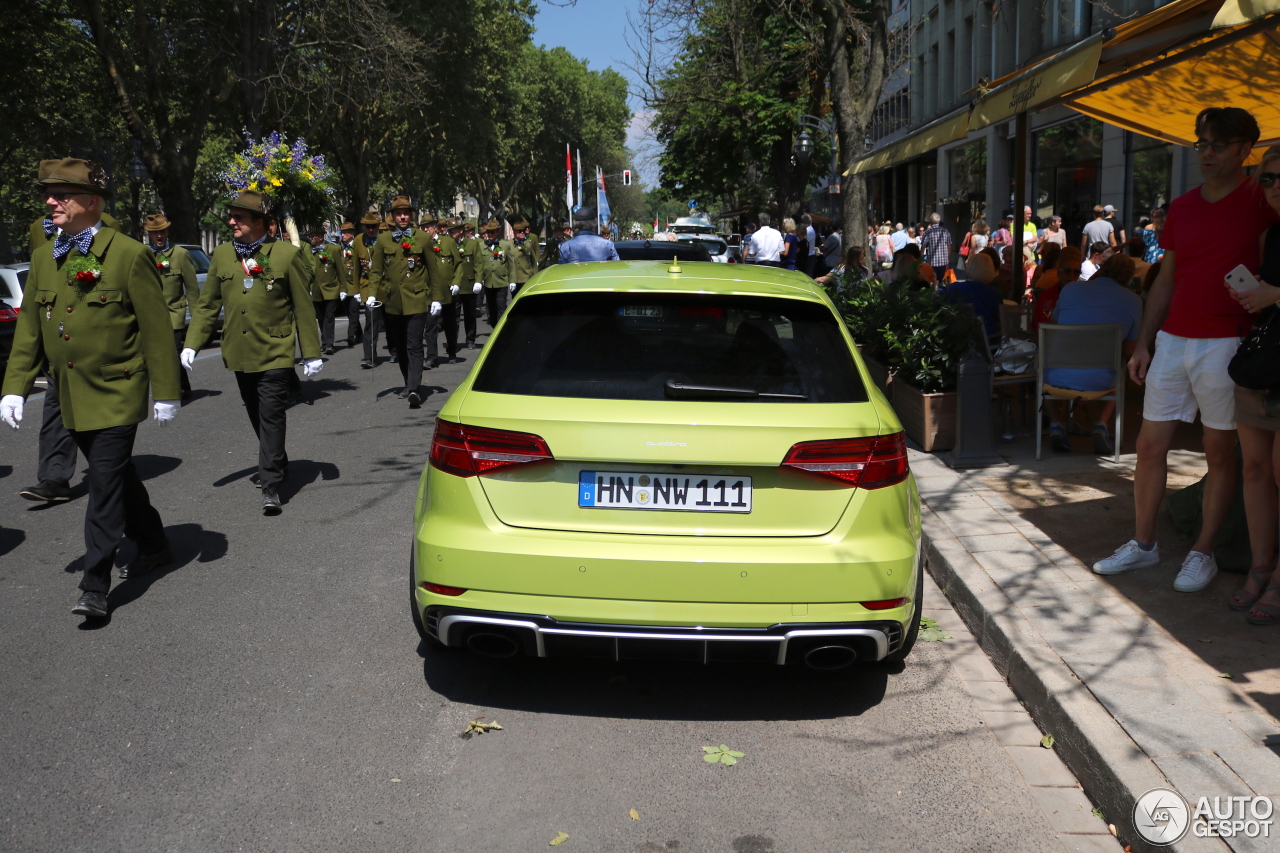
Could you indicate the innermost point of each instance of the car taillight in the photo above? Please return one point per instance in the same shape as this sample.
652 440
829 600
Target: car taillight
7 314
471 450
884 604
868 463
440 589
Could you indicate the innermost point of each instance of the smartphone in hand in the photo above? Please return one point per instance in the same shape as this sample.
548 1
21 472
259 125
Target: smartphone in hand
1241 280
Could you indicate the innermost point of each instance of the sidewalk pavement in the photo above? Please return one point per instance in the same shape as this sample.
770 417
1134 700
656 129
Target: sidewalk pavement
1129 706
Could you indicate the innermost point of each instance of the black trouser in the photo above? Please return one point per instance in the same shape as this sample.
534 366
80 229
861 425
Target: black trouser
447 321
326 314
57 448
179 341
118 504
496 300
353 309
408 336
373 327
468 303
265 396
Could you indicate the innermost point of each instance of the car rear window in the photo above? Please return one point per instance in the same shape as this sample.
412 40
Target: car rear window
617 346
714 247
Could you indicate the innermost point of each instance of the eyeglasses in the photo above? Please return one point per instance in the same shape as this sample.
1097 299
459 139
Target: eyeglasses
61 198
1218 147
240 215
1266 179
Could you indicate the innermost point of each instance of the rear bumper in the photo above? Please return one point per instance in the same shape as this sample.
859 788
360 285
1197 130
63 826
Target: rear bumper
541 636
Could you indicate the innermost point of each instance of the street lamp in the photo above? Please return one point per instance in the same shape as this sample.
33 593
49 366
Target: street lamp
803 148
137 175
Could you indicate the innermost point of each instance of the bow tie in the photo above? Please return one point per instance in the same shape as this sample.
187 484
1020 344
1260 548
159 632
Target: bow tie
49 227
398 234
248 250
159 249
82 241
315 250
368 244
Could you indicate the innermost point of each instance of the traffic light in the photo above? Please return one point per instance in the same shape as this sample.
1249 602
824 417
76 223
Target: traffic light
626 177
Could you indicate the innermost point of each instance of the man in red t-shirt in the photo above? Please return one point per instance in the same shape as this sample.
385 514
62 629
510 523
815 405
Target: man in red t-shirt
1195 326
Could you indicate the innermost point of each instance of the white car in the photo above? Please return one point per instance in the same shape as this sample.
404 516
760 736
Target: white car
13 277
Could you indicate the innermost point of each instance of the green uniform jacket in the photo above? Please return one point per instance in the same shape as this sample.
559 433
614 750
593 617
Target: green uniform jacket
177 283
364 254
262 322
472 251
399 277
37 231
444 268
328 272
526 258
351 262
108 343
498 271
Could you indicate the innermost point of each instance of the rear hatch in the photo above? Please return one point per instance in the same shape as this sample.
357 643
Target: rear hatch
682 406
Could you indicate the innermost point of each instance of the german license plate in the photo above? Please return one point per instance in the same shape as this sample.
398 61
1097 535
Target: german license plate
647 311
697 493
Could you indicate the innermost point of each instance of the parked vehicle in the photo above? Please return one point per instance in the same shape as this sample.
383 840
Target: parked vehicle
660 250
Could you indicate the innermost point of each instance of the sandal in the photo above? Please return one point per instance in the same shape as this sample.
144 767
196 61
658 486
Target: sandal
1272 611
1243 600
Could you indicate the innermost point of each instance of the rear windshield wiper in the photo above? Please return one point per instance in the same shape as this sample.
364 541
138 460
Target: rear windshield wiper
679 390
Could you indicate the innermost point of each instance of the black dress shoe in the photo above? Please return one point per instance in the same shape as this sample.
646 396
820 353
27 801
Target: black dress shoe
328 351
402 393
394 360
366 364
351 342
145 564
414 400
47 492
270 502
93 605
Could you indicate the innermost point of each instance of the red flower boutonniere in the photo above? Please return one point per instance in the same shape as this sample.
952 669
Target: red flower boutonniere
84 270
255 268
435 249
163 266
88 276
407 246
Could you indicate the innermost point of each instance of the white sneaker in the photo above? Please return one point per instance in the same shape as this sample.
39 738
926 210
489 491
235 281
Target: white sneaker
1127 557
1197 570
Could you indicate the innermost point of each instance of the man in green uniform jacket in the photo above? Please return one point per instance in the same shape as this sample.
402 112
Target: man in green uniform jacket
93 309
498 271
263 285
350 301
444 272
328 284
526 254
373 317
470 249
177 281
398 278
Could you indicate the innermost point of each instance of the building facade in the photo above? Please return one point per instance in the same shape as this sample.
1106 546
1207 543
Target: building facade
948 53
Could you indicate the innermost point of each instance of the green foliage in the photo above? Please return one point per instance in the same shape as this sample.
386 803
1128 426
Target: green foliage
721 755
913 331
930 632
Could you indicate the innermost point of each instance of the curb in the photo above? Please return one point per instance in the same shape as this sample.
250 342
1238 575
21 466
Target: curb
1111 767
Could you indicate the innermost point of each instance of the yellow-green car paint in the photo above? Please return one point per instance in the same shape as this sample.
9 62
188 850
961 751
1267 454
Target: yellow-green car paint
810 565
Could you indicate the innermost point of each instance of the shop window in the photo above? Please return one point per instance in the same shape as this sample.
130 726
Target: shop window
1152 165
1068 159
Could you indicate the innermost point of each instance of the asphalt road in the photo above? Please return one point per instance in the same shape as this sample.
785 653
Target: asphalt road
268 692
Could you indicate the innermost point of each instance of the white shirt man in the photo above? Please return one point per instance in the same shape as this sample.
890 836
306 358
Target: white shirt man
766 242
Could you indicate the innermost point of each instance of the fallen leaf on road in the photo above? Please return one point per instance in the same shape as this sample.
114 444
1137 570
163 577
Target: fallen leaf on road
475 727
1111 827
1225 675
930 632
395 780
633 814
1203 640
721 755
1047 741
561 838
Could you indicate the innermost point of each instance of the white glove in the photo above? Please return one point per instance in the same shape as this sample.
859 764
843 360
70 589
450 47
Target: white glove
11 410
356 297
372 302
188 359
165 410
512 287
312 366
453 289
479 287
436 308
342 294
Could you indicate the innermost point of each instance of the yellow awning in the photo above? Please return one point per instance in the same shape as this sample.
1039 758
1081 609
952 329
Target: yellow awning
946 129
1063 72
1242 11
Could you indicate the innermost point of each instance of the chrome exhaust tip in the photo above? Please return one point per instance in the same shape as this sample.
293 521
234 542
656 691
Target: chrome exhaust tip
493 644
830 657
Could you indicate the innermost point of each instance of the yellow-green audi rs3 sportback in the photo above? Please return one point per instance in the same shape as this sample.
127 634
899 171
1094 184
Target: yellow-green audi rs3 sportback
655 461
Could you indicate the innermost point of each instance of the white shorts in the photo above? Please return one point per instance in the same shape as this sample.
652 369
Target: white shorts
1190 374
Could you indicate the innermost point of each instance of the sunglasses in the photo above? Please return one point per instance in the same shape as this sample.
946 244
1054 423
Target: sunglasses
1218 147
1266 179
60 198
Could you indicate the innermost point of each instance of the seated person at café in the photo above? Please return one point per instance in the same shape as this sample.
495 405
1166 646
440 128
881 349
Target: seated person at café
1101 299
1046 274
978 292
1097 254
909 266
1046 298
1001 282
1136 249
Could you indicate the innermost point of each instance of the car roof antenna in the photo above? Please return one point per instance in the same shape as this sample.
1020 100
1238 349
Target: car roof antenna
675 266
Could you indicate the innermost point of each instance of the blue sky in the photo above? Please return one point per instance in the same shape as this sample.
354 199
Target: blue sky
595 30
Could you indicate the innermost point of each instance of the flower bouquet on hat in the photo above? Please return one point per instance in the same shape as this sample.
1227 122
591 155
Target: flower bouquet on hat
299 182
